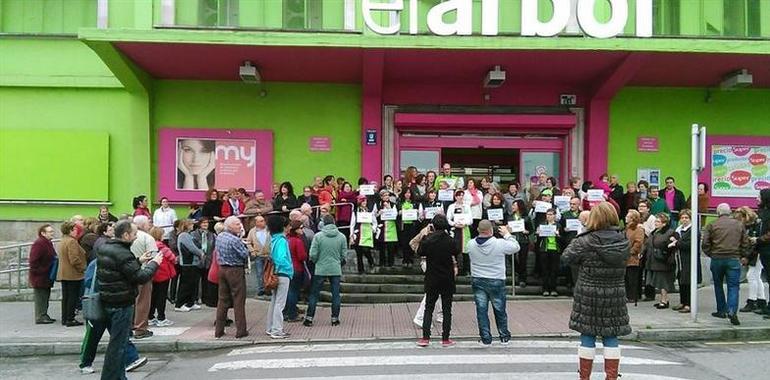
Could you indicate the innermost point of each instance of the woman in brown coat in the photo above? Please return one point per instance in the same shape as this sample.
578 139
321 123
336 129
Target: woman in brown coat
41 257
635 236
72 268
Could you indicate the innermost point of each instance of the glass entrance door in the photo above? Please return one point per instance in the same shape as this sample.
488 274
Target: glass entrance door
535 163
423 159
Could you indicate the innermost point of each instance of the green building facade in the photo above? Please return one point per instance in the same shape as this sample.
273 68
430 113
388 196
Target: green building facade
88 87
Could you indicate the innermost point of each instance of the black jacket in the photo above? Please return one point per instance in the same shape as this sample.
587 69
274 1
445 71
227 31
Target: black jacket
439 250
600 293
119 272
680 202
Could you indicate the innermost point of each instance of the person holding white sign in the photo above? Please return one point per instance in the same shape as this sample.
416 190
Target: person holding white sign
446 175
445 195
431 206
540 206
459 216
409 211
571 227
549 248
519 215
496 213
474 198
387 240
362 238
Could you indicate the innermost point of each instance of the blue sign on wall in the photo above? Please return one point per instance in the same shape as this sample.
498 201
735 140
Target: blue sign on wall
371 137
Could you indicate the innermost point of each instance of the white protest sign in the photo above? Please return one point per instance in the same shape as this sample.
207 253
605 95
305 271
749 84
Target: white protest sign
595 195
446 195
366 189
547 230
495 214
409 215
574 225
430 212
516 225
561 202
364 217
465 219
389 214
542 207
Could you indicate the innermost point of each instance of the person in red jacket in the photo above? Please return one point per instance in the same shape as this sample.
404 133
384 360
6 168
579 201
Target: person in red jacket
298 258
41 257
163 276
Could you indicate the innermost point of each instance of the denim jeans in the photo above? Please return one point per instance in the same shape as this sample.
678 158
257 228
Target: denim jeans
295 286
94 332
730 268
259 267
318 282
119 320
590 341
486 290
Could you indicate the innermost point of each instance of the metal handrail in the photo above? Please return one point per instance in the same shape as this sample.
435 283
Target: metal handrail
19 267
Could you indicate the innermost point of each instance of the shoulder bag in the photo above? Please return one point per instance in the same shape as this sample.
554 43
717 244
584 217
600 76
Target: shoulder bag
269 278
92 302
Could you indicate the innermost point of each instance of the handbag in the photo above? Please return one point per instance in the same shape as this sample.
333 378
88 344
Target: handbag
53 270
213 276
269 278
92 302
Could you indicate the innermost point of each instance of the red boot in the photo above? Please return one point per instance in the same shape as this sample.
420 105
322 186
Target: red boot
586 356
611 362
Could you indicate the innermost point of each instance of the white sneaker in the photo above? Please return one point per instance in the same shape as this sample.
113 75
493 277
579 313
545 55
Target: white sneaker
153 322
136 364
195 307
87 370
182 309
279 335
164 323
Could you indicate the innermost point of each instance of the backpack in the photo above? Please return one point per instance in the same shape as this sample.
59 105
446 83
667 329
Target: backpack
269 278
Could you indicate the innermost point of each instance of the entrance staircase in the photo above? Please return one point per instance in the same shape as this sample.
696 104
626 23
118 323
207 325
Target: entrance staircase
398 284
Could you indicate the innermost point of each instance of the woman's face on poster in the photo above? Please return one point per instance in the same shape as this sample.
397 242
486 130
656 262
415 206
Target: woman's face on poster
195 156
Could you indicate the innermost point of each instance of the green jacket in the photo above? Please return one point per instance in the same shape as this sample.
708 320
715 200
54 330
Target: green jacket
328 250
658 205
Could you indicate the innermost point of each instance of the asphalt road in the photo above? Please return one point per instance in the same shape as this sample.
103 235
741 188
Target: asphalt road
541 359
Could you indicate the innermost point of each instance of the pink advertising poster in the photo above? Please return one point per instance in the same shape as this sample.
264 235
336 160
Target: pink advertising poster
195 160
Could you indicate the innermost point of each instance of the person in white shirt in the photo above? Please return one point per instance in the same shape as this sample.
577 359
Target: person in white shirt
164 217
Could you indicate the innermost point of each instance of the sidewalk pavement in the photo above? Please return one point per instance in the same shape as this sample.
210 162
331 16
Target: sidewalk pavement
540 318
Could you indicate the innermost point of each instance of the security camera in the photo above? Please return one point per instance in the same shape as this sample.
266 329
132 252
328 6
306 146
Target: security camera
249 73
495 78
738 79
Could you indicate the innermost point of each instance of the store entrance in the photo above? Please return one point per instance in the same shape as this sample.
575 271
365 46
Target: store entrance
500 165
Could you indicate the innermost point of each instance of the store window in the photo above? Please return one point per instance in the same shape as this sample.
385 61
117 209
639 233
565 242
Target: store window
303 14
218 13
423 160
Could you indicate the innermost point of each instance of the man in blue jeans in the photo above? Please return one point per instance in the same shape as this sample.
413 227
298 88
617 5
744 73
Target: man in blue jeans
328 253
725 241
119 273
488 254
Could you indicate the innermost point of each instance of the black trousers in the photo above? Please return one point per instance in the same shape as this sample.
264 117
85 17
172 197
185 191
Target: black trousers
188 286
409 232
551 266
172 287
69 299
632 283
159 293
362 252
684 294
431 297
387 253
521 262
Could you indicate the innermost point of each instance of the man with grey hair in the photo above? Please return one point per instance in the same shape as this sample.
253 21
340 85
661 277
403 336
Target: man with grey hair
725 241
143 245
487 254
231 257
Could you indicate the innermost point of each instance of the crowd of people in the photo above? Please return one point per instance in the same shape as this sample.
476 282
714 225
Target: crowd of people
635 242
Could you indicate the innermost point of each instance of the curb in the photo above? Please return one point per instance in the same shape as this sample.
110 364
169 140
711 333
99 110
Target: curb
176 346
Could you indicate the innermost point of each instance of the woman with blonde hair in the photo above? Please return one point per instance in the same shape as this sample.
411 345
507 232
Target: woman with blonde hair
599 307
635 236
757 298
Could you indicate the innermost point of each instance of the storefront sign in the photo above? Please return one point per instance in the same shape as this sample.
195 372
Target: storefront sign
371 137
739 171
646 144
531 25
220 164
320 144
